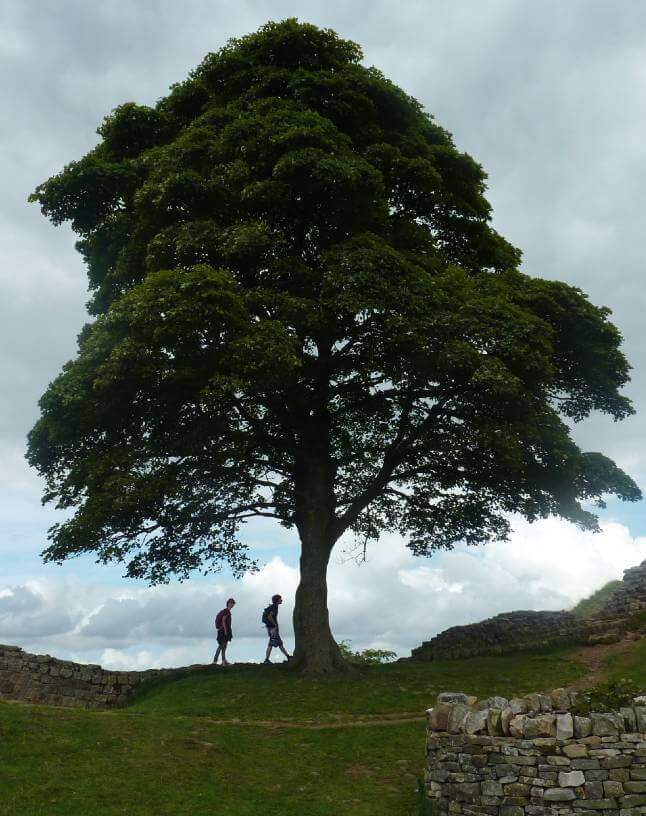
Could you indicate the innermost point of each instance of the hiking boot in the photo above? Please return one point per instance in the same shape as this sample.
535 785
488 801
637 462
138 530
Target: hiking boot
267 662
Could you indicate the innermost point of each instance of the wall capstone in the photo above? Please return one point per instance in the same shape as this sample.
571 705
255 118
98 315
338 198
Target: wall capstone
530 756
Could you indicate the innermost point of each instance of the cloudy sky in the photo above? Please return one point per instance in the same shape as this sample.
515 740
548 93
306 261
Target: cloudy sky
550 97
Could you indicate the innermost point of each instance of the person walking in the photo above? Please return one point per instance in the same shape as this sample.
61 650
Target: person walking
224 633
270 619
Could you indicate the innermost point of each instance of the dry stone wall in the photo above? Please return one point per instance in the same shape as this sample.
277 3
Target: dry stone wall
631 596
531 756
514 631
44 679
511 631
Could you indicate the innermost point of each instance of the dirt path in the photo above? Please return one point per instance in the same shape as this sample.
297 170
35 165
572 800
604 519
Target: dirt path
308 725
594 659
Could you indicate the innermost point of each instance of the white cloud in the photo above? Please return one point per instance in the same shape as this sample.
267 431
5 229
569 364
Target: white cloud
394 600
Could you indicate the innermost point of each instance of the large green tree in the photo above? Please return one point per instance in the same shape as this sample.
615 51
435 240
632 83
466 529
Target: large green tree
300 311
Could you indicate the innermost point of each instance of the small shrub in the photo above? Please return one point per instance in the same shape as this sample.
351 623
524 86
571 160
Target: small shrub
368 657
606 697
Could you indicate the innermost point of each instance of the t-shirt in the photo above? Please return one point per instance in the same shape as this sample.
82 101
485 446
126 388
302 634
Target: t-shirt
223 620
273 610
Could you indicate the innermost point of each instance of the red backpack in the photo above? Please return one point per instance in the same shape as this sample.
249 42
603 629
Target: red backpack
218 618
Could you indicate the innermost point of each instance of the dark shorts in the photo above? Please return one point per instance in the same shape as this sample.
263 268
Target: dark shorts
274 638
223 637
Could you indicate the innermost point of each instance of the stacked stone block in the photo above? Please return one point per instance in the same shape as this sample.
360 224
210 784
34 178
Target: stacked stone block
531 756
44 679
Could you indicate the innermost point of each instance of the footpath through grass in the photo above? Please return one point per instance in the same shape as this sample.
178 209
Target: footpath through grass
290 746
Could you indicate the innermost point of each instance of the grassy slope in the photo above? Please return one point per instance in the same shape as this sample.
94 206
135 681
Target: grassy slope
591 606
169 753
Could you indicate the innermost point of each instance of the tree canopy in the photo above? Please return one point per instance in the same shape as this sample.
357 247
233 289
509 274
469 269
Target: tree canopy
300 310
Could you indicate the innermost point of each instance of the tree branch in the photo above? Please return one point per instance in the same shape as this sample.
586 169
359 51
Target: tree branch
395 454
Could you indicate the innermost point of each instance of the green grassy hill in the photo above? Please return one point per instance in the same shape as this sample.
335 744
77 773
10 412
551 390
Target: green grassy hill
256 740
594 604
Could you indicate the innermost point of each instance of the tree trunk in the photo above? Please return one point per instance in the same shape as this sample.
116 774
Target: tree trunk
316 650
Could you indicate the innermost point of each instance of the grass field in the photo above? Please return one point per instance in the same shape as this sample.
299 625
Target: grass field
255 740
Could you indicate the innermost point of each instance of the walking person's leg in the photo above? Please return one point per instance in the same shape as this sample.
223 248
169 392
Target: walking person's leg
282 649
271 633
281 646
222 648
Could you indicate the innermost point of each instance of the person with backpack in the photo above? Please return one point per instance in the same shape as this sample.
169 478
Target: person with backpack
223 628
270 619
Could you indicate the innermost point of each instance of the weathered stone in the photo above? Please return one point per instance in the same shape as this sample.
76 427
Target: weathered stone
457 715
582 727
516 789
518 705
560 699
509 750
517 725
632 800
476 720
630 720
452 697
526 761
557 760
598 753
533 702
593 790
564 726
616 762
540 726
571 779
597 776
545 744
494 725
612 789
506 716
575 751
640 716
512 810
595 804
438 717
585 764
489 787
635 787
558 795
606 724
619 774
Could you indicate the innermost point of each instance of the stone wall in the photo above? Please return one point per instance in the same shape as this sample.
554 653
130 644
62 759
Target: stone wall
514 631
511 631
531 757
44 679
631 596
